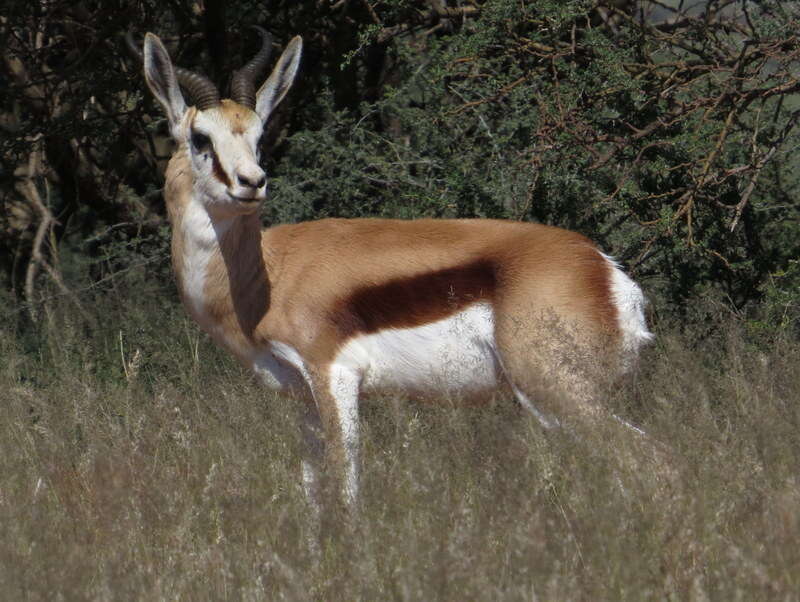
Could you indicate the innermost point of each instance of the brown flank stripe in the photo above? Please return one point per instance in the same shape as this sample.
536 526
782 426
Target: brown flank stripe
415 300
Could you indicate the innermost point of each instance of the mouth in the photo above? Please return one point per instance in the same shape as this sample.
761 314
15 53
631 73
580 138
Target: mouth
246 201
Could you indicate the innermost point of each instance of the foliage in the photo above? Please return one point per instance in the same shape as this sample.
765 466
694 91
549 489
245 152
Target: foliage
663 133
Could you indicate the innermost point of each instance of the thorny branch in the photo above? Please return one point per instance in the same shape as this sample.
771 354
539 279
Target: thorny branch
758 165
437 17
693 81
698 66
43 231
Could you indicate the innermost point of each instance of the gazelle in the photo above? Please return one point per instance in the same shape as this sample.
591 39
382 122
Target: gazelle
330 308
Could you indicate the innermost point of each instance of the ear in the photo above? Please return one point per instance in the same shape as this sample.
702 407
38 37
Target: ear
162 82
274 89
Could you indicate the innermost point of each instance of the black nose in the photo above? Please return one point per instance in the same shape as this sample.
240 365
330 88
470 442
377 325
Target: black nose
245 181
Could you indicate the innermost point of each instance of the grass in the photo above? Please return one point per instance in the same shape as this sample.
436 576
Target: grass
139 462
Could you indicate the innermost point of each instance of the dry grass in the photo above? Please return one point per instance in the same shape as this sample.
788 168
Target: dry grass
166 474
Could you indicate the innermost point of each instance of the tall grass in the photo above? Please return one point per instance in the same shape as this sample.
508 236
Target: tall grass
138 462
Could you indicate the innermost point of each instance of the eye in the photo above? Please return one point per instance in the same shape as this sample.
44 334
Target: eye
200 141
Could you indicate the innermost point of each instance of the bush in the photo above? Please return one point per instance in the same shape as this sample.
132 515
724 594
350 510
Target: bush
663 134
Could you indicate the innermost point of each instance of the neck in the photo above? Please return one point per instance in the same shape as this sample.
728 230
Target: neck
244 268
219 264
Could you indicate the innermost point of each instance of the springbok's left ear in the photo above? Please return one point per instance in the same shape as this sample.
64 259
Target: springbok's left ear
274 89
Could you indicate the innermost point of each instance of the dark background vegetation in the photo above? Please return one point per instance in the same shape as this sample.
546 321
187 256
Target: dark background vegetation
138 461
664 131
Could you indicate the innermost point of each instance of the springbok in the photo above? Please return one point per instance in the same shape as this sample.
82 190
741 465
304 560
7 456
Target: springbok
327 309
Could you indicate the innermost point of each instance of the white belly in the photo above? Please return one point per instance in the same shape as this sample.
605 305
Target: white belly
455 355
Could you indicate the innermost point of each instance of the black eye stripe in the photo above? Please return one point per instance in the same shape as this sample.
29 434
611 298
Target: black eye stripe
200 141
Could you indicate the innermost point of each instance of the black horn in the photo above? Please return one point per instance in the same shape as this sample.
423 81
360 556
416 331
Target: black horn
243 82
202 90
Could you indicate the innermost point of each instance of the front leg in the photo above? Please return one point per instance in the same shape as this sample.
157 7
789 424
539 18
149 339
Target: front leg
335 389
329 423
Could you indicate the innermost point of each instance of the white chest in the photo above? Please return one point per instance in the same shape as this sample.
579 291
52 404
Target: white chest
199 243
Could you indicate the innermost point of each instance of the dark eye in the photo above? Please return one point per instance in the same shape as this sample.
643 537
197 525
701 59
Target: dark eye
200 141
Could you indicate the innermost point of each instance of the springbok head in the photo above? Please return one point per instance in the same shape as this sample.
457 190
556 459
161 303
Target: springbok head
221 136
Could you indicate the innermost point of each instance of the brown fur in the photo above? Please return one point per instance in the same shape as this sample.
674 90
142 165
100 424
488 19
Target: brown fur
333 279
315 285
409 301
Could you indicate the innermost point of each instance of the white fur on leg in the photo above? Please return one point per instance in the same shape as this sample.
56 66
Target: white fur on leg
313 459
344 386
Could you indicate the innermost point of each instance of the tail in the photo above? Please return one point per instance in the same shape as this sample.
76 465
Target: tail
630 303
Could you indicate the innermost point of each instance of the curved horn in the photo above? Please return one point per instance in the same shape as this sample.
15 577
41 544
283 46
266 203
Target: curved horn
201 89
243 86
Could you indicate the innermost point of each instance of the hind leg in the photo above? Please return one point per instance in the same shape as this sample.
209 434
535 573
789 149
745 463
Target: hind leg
547 422
561 380
554 366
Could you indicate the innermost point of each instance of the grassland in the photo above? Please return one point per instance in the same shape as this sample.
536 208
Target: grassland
138 462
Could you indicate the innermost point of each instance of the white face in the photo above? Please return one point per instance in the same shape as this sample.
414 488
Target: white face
222 141
223 146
